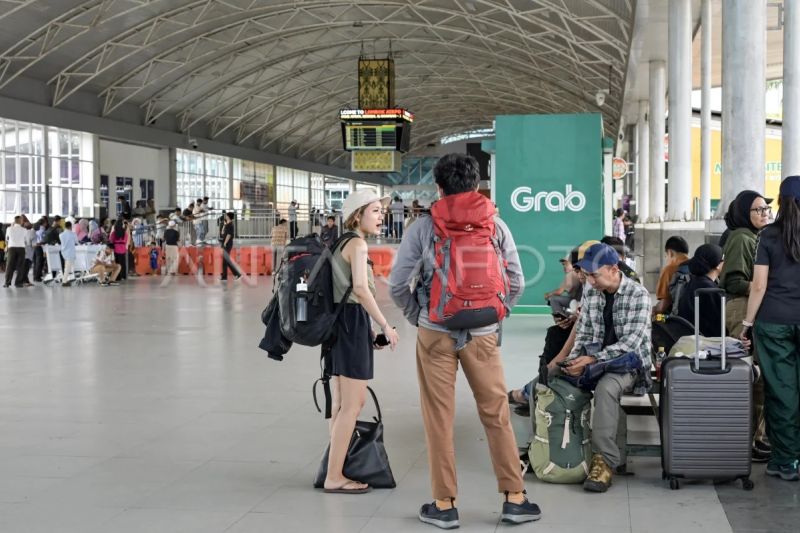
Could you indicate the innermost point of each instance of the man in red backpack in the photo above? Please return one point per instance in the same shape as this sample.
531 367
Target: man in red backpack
456 276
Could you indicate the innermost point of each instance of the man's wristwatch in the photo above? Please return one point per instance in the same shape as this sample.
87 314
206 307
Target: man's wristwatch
747 324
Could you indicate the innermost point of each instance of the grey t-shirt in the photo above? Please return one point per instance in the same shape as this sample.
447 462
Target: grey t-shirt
413 269
781 304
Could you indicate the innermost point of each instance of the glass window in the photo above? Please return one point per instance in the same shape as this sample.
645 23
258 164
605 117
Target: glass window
10 136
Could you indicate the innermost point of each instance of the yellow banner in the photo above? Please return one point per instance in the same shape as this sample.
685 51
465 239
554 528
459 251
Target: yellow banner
772 168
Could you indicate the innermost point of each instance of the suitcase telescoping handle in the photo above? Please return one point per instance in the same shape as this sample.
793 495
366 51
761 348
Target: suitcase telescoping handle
697 293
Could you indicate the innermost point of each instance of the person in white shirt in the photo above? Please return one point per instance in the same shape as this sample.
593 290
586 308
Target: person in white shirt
105 267
16 237
200 220
68 243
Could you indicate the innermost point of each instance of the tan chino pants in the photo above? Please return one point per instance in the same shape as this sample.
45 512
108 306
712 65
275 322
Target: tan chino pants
437 365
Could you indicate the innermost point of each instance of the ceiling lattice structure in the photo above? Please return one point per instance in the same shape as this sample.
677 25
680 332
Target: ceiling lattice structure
272 74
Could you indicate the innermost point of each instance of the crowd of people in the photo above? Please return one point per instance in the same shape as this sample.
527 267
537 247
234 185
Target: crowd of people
602 314
22 242
604 320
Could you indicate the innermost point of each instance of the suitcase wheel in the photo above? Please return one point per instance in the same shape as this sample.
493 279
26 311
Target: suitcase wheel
747 484
673 484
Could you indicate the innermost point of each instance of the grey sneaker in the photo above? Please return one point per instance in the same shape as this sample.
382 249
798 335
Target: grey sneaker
447 519
519 513
787 472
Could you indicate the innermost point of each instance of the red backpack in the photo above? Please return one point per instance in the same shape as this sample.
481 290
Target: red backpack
470 284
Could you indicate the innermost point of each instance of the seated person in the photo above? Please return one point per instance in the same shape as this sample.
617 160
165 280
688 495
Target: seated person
569 287
560 338
676 250
705 267
624 263
614 322
104 266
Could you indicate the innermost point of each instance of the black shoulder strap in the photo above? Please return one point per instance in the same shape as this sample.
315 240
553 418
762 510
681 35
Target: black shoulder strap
325 363
379 418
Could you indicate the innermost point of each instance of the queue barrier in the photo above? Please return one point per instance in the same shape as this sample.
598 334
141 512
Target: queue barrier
382 258
187 260
142 261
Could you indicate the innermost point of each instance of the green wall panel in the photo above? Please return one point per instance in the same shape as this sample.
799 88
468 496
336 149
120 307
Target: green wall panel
549 171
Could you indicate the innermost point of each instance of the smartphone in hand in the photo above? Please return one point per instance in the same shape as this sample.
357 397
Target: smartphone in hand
380 340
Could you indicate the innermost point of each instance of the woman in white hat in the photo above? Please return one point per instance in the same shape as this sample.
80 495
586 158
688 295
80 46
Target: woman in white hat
352 351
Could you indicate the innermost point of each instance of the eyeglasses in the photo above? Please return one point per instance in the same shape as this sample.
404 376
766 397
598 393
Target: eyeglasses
761 210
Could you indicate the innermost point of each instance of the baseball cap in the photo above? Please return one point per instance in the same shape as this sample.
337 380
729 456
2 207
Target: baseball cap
598 255
790 186
171 224
357 199
578 252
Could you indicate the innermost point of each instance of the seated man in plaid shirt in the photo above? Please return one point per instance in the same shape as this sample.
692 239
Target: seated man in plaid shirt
614 323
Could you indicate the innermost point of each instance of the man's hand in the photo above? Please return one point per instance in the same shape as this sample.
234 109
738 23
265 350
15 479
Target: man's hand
576 366
566 323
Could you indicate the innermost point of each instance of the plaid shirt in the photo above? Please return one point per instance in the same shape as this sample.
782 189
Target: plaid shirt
632 326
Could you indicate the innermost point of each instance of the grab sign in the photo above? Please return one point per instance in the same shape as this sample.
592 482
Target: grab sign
619 168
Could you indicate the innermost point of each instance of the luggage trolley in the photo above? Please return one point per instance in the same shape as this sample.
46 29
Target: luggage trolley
84 259
52 254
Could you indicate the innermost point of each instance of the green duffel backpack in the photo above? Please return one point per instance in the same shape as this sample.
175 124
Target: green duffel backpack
561 448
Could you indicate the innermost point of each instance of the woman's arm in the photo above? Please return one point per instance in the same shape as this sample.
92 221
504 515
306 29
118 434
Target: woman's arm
757 290
355 253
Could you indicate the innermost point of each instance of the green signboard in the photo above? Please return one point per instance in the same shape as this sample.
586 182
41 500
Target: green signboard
549 190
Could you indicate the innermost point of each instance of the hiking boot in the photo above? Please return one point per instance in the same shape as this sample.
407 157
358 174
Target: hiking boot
519 513
787 471
447 519
599 475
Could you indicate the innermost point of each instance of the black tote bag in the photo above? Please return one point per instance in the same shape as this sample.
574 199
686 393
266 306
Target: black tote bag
366 460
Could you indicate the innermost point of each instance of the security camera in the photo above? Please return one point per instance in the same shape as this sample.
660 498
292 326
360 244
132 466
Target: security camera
193 143
600 98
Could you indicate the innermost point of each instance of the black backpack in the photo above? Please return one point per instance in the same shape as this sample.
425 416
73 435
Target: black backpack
308 259
677 283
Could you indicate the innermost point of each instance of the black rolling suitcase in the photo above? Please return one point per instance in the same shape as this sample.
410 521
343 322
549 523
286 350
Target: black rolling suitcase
706 420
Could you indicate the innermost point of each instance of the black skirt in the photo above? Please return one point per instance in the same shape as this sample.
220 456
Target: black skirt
352 352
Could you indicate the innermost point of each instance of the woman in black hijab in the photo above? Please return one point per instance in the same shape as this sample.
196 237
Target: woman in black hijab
739 215
748 214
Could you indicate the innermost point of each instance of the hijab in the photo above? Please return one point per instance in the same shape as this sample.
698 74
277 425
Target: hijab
706 258
738 215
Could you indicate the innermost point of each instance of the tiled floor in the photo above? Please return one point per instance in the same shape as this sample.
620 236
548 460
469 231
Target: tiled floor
149 408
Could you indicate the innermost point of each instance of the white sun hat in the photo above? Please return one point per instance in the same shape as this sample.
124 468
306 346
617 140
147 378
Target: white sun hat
357 199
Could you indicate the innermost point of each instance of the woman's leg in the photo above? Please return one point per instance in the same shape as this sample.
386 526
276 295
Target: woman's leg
352 396
336 402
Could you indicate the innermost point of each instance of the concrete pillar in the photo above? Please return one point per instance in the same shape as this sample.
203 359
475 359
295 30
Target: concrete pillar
680 110
658 91
743 106
790 155
705 111
643 163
